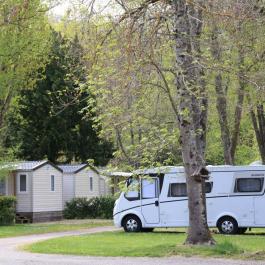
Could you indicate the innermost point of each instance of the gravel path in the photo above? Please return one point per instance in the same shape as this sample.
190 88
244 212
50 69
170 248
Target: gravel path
11 255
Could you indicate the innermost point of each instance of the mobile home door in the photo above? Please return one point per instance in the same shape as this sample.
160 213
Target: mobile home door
150 200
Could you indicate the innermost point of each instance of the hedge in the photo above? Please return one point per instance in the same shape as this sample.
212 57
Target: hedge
7 210
97 207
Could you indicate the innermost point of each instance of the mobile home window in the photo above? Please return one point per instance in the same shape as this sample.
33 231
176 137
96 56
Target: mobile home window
22 183
91 183
2 187
149 188
249 185
52 183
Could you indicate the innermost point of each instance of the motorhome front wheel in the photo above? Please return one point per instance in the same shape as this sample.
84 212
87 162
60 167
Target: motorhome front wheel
132 224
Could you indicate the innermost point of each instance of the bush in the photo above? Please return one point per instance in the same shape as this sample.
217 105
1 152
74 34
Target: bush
97 207
7 210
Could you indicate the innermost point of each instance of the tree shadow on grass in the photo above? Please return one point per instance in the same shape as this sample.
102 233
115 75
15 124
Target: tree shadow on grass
248 233
168 232
214 232
253 234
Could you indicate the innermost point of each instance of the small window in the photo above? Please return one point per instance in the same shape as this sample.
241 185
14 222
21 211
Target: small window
177 190
52 183
249 185
91 183
22 183
149 188
208 187
2 187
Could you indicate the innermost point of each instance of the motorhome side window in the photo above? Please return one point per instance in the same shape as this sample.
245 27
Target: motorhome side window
177 190
149 188
249 185
208 187
133 190
180 189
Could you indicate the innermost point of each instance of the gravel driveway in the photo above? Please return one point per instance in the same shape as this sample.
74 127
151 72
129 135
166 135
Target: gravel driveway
11 255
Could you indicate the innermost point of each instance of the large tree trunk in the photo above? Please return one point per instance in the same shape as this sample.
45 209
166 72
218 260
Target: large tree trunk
192 114
237 117
240 100
258 121
221 106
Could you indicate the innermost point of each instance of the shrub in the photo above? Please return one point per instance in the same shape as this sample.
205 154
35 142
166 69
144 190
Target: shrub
227 248
96 207
7 210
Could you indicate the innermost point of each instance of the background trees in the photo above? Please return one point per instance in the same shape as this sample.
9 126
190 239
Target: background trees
24 41
46 121
134 62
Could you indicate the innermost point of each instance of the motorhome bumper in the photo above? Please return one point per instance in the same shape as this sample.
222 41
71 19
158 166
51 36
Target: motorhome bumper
117 221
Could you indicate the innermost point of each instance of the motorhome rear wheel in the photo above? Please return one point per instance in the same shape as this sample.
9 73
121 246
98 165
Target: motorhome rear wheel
227 225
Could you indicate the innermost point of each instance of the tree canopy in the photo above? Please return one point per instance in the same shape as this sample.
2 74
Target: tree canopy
46 121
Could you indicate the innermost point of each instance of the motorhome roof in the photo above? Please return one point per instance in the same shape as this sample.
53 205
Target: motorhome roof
180 169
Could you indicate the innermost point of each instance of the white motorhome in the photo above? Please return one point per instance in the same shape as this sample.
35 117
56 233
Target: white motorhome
235 199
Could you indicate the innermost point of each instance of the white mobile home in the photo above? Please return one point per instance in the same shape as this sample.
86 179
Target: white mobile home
235 199
38 189
82 181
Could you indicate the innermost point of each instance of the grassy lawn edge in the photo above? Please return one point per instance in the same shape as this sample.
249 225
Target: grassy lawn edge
53 227
158 244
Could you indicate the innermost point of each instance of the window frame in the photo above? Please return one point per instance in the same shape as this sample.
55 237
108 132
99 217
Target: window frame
52 183
19 183
235 186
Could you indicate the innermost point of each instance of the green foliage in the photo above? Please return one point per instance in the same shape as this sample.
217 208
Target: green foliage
131 106
227 248
24 42
97 207
7 210
132 102
46 122
5 165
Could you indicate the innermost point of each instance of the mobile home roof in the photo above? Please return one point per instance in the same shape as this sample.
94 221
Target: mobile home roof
75 168
32 165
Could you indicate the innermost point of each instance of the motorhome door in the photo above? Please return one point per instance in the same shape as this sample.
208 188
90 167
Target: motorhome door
150 200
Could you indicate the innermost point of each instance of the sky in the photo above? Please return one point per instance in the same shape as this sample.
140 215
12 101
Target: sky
61 8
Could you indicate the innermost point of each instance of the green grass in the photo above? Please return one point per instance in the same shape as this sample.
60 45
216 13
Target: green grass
157 244
41 228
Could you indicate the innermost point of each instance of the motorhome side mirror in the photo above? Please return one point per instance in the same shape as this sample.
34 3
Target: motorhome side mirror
128 181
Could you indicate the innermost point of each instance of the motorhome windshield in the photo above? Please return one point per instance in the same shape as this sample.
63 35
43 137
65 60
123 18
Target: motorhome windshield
133 189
